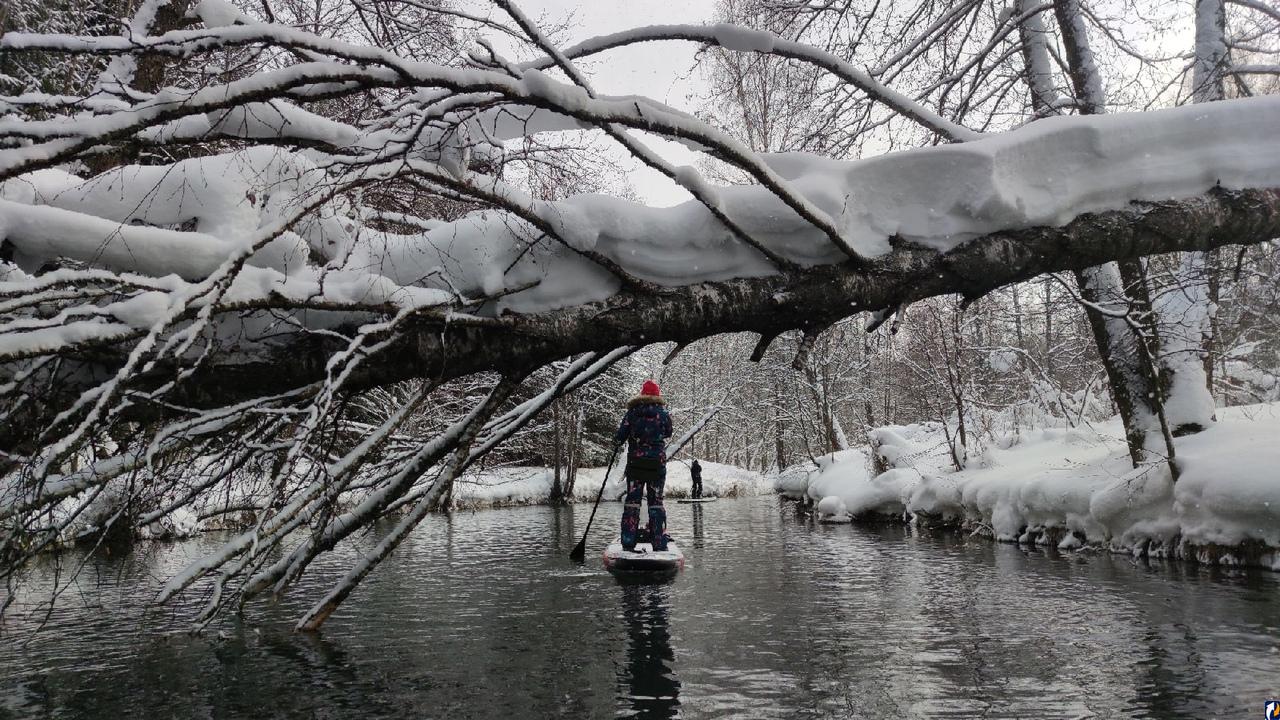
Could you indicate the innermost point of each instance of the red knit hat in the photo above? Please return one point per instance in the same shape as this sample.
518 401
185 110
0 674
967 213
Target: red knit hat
649 388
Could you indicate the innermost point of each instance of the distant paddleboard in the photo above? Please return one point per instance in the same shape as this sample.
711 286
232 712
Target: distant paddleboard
643 560
695 500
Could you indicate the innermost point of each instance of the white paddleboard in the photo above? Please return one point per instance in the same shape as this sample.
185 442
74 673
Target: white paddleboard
644 559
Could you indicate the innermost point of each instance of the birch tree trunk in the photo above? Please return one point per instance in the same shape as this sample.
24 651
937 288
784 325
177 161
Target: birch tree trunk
1109 305
1184 312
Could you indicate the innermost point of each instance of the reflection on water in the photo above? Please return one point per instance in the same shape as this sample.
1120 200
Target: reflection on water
648 681
696 521
482 615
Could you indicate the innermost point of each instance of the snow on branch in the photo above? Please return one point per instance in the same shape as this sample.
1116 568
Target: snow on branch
1260 7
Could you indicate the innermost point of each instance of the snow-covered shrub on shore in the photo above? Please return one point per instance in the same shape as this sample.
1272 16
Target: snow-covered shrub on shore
793 482
873 480
181 523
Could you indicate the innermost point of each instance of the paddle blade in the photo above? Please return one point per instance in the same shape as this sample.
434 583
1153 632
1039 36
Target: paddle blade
580 551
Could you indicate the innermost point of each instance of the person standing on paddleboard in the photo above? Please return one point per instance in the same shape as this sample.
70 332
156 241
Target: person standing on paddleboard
645 428
695 475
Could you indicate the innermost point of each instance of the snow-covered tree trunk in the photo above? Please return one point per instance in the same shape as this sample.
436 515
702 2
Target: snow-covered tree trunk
1183 313
1121 332
1049 338
576 450
817 383
1184 310
558 481
1045 100
1209 62
781 459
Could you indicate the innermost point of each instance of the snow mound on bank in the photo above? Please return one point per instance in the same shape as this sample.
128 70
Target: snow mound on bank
504 486
844 485
717 480
1229 490
1069 486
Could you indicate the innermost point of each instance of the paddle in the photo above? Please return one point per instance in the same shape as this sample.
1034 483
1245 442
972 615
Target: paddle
580 551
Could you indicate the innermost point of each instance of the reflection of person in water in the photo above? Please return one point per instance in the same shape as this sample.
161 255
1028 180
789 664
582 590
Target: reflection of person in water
697 526
646 681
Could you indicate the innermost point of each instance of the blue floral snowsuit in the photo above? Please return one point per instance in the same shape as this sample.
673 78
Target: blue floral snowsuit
645 428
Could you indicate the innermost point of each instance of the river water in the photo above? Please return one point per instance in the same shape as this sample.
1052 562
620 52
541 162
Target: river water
482 615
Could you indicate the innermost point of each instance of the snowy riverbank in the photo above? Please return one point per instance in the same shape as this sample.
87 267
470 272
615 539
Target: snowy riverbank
532 485
501 487
1072 488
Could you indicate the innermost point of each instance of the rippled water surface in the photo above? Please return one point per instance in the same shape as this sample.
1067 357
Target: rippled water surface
481 615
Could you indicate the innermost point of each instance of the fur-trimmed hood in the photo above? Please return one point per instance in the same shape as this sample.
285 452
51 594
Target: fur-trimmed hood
645 400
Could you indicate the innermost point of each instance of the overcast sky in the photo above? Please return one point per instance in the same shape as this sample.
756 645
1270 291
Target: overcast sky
662 71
